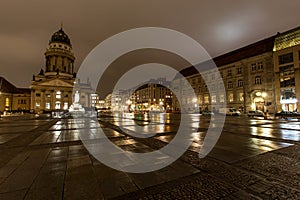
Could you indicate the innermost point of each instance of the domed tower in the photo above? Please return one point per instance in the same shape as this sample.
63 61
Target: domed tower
59 56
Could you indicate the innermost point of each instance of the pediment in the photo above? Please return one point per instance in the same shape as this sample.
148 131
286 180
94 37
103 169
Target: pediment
56 83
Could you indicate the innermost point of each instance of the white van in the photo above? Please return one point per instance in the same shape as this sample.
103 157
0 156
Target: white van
229 111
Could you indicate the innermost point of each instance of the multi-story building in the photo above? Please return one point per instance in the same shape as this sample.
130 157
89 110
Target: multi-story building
153 95
287 72
13 98
247 75
53 87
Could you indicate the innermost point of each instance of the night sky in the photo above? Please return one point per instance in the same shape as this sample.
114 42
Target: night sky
220 26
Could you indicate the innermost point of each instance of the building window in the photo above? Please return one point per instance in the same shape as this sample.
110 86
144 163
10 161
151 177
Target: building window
37 104
21 101
66 106
212 77
199 80
230 97
206 99
58 95
7 102
214 99
239 70
193 81
57 105
240 83
213 87
241 96
229 84
286 58
257 80
229 72
222 98
260 66
47 105
48 95
38 94
200 99
253 67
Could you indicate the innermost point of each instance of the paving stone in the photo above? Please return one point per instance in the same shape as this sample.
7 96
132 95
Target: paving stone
14 195
45 193
24 176
81 182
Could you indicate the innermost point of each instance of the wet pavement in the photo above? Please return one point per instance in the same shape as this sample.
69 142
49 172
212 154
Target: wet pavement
252 159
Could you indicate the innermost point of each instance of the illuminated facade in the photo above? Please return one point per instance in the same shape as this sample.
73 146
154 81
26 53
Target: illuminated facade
152 95
13 98
247 75
287 73
52 88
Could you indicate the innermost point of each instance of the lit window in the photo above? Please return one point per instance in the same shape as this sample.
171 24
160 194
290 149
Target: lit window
37 104
222 99
200 99
47 105
7 102
66 106
241 96
57 105
58 95
230 97
214 99
206 99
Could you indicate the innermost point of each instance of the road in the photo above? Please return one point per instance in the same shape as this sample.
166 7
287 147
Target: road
252 159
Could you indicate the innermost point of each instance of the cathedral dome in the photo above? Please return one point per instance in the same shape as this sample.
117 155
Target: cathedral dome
61 37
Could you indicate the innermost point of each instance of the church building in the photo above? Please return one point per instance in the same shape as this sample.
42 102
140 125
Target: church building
52 88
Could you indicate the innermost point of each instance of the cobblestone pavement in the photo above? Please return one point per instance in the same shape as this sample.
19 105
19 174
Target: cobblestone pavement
253 159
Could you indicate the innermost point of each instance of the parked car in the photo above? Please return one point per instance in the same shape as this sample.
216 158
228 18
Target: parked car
255 113
229 111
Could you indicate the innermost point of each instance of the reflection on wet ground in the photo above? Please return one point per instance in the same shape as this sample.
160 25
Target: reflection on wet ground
238 139
40 159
